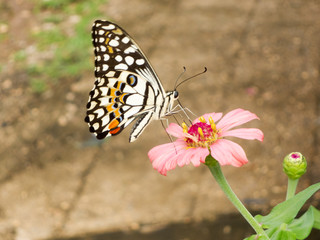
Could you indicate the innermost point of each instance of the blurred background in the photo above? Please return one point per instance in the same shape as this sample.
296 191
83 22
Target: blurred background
58 182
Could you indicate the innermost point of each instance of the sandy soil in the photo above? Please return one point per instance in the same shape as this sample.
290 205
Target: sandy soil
261 55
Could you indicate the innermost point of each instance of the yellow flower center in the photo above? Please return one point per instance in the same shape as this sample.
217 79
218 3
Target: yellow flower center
204 133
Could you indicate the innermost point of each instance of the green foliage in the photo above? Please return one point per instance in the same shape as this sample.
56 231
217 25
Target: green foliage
281 223
50 37
287 210
64 41
56 4
316 223
20 56
283 233
302 226
56 19
38 85
254 237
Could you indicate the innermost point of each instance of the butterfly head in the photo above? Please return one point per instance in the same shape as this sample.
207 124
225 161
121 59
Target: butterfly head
175 94
172 96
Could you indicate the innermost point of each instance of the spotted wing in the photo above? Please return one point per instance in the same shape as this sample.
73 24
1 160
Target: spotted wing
126 85
115 50
115 101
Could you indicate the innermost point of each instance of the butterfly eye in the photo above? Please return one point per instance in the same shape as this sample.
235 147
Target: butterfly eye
132 80
175 94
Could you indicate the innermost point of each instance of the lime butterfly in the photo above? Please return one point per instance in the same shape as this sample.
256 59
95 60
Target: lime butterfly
126 87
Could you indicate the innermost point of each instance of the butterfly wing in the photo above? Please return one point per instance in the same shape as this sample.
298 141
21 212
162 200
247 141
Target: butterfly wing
116 50
126 86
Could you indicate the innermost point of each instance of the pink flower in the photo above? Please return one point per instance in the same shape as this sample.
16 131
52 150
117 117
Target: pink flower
206 136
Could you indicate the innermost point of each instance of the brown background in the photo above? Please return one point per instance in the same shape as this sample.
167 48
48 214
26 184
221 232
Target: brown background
261 55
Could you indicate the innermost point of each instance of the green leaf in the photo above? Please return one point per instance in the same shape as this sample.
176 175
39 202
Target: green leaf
316 215
283 234
286 211
250 238
303 225
254 237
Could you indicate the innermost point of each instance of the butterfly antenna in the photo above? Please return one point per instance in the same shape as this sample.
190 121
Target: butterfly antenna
181 74
205 69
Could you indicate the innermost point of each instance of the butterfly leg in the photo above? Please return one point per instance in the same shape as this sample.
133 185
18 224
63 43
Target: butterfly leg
181 109
161 120
189 111
167 123
174 111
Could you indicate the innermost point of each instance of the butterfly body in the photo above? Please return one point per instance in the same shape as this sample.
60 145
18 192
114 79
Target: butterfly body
126 86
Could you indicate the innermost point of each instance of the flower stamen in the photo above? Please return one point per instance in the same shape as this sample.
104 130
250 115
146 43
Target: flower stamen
202 119
184 127
200 132
213 125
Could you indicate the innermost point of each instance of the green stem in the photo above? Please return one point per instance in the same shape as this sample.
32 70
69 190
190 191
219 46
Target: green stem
215 169
292 186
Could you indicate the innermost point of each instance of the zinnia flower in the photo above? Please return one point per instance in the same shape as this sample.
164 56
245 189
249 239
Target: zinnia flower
206 136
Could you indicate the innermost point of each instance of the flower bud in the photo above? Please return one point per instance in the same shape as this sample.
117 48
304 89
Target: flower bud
294 165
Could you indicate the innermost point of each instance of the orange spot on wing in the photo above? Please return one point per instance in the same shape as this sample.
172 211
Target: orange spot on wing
117 113
110 49
122 96
115 131
113 99
113 92
117 31
110 108
114 123
119 84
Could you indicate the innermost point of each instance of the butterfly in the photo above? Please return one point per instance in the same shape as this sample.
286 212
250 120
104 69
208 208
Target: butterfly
126 87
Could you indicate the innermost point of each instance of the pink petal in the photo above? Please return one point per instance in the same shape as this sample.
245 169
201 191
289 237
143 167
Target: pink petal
194 155
185 159
235 118
214 116
164 157
175 130
244 133
167 156
199 156
228 153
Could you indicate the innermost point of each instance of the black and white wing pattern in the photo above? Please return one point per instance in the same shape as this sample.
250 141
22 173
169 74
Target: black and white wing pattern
126 86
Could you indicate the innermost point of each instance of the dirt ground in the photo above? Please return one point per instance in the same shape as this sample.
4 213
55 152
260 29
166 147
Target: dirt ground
262 56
